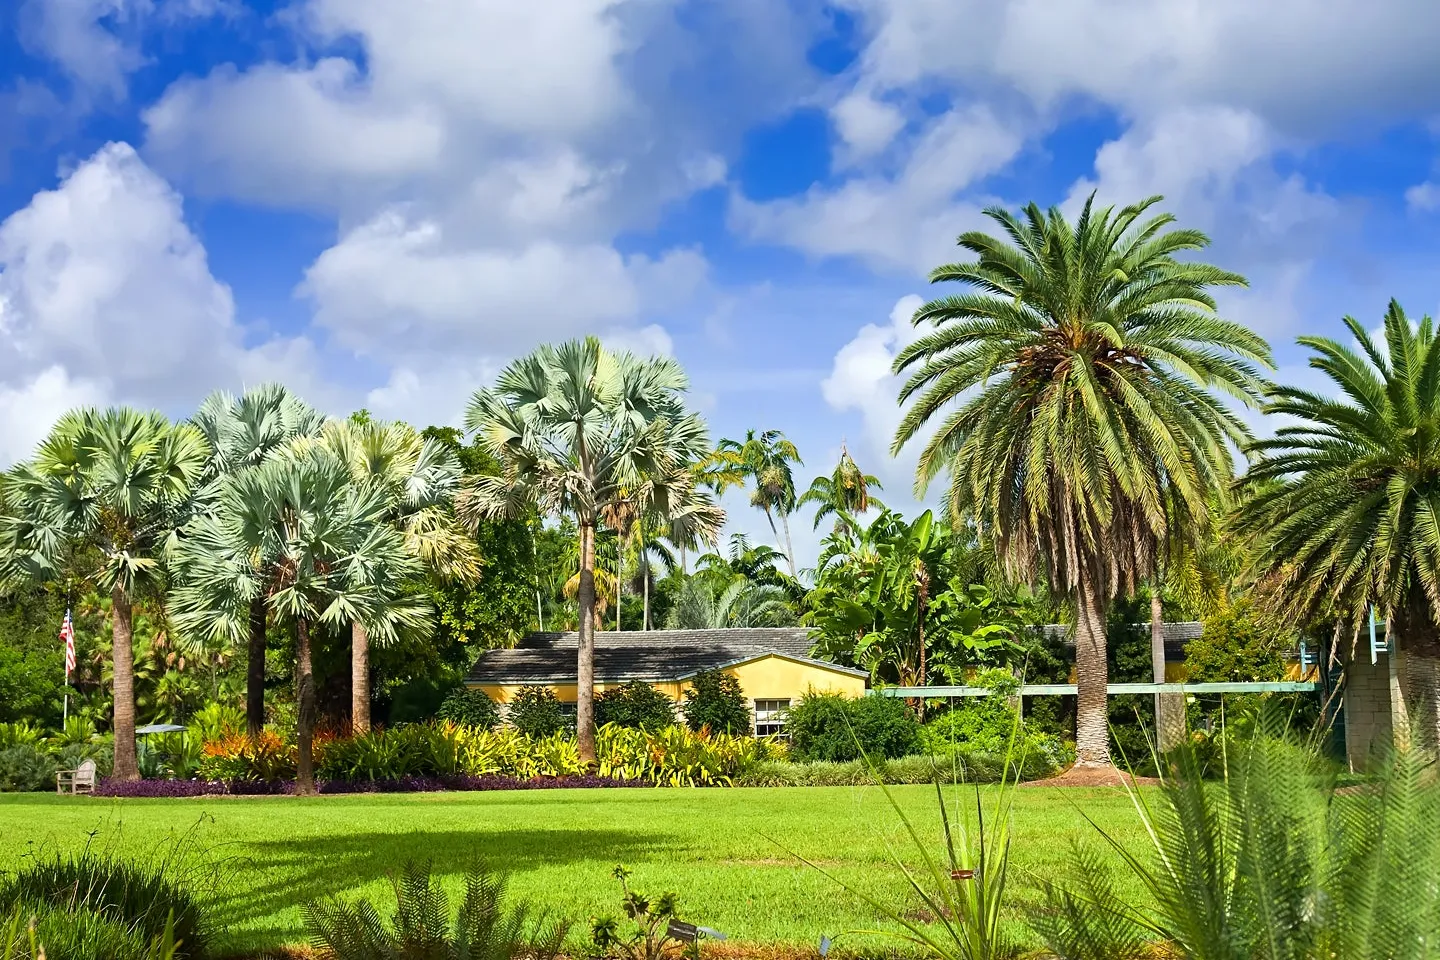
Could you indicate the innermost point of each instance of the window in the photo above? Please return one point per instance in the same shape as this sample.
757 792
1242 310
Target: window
770 718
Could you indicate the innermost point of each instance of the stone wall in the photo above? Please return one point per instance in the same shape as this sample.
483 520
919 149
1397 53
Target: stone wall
1367 707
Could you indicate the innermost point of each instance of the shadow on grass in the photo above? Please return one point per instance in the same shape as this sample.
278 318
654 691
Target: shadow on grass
279 875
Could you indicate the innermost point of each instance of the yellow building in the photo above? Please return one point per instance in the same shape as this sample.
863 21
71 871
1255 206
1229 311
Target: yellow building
773 665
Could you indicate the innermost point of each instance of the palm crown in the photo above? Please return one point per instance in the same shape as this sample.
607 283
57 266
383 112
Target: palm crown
1344 503
1070 395
113 485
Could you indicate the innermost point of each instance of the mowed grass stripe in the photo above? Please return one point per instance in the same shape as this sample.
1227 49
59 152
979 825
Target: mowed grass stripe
730 854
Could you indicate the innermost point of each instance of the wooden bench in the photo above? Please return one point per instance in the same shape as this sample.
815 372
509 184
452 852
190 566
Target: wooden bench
79 780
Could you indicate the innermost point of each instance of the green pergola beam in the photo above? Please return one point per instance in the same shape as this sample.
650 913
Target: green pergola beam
1069 690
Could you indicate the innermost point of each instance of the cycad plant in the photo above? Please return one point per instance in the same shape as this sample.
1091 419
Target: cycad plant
318 548
484 928
99 506
1068 393
242 432
1344 501
1272 862
577 429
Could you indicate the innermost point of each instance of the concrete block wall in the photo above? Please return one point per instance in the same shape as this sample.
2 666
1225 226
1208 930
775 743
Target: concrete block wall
1367 707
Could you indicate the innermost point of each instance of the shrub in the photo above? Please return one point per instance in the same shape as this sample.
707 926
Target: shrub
470 708
716 702
637 705
35 933
536 712
25 768
828 726
240 757
140 899
485 925
19 734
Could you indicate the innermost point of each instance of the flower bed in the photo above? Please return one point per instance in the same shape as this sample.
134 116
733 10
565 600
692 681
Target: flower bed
243 788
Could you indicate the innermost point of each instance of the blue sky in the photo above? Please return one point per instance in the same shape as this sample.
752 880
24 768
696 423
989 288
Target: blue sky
381 203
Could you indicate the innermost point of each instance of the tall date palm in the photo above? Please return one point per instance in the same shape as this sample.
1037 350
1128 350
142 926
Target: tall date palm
103 498
579 430
1069 391
1344 503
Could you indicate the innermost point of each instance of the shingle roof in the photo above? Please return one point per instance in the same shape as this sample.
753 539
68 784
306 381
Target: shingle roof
651 655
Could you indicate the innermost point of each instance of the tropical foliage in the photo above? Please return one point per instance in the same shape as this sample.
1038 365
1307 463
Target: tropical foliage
588 433
1068 393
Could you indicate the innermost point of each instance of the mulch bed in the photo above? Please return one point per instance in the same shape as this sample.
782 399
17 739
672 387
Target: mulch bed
1094 776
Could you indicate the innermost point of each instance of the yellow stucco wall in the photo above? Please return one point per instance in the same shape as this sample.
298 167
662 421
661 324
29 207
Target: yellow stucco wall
766 678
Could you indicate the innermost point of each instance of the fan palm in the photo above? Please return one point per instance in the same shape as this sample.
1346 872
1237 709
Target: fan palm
844 493
762 459
418 477
242 431
317 548
576 429
102 499
1344 505
1072 388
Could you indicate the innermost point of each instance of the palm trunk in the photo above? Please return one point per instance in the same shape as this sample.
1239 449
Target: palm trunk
305 697
1092 728
359 679
789 547
255 670
645 585
585 666
1169 707
1419 675
122 651
619 583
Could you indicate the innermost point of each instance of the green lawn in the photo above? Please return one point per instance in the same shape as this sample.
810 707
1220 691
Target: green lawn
729 854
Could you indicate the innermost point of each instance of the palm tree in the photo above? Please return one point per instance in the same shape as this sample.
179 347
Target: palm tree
102 500
242 432
316 547
1072 391
762 459
577 428
844 493
705 604
418 477
1344 505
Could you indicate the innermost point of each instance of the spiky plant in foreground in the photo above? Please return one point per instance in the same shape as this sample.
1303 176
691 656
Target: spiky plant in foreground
1272 862
1070 396
1344 503
485 927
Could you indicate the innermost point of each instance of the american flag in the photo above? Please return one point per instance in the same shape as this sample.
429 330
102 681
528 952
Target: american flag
67 633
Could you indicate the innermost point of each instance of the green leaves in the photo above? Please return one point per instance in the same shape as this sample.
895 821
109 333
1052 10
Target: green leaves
1067 391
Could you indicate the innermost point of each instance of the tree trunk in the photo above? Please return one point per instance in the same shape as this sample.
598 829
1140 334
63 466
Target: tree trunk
1169 707
255 670
789 547
619 584
1419 675
122 652
585 666
359 679
1092 674
305 697
645 585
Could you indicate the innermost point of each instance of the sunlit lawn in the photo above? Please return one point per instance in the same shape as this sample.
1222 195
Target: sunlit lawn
731 855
